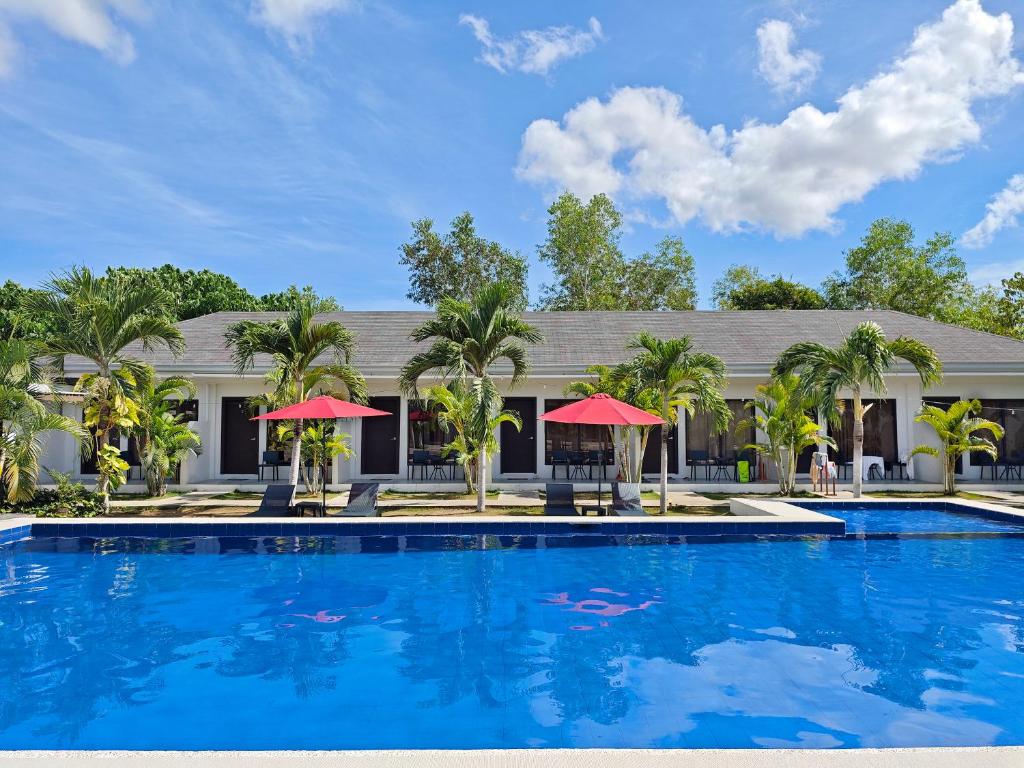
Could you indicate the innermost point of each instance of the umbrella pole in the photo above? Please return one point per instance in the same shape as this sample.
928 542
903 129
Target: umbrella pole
323 472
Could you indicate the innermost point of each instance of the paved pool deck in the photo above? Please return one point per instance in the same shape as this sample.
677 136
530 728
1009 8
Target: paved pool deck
976 757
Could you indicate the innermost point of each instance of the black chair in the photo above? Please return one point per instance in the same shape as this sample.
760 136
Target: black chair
1011 466
419 459
724 466
626 500
277 501
272 460
985 461
559 499
362 501
699 459
577 464
559 459
845 464
596 459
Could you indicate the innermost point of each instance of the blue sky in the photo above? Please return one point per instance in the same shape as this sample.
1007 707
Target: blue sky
289 141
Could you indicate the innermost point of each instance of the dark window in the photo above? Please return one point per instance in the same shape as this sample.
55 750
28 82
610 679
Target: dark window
879 430
189 409
701 443
573 437
1009 414
425 433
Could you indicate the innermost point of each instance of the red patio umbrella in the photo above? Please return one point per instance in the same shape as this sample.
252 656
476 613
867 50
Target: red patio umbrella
603 409
321 407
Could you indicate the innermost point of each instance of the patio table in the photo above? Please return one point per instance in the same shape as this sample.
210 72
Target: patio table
873 461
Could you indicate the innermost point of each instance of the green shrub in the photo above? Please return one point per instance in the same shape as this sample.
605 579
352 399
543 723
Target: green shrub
67 499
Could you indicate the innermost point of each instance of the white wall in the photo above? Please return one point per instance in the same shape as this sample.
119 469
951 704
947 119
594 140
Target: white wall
61 453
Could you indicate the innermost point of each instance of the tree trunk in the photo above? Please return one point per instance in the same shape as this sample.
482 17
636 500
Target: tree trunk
858 445
469 472
791 473
293 475
481 483
102 480
637 471
663 506
950 474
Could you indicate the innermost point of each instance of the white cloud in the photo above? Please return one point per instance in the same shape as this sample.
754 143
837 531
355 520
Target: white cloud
792 176
1001 212
89 22
534 51
786 70
294 18
994 273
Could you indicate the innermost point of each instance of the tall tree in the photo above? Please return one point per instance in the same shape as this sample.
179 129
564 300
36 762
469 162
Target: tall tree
193 294
888 271
582 249
466 340
661 280
743 287
97 319
459 263
682 377
292 299
860 362
16 321
24 417
294 343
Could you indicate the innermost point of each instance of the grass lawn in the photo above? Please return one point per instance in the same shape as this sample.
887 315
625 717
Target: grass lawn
433 496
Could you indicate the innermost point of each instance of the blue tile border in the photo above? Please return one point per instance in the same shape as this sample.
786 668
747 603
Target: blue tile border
185 529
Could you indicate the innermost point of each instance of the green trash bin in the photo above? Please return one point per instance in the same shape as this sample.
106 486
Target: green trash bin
743 471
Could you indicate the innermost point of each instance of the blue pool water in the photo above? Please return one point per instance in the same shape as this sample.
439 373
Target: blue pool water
909 517
301 644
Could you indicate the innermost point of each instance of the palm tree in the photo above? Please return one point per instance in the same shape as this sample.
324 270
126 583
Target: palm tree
780 412
955 428
683 378
98 319
473 423
467 338
861 361
606 382
294 343
24 384
163 438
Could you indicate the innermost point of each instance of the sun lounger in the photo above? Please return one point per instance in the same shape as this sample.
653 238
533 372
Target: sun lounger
362 501
559 499
626 500
277 501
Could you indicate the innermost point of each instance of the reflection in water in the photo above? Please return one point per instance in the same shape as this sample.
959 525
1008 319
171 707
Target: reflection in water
782 644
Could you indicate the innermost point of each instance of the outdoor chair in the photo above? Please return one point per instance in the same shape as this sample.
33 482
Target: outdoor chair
277 501
577 464
984 461
596 459
419 459
362 501
724 466
559 499
699 459
626 500
272 460
559 459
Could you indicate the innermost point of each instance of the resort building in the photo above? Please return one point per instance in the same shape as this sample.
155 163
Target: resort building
404 447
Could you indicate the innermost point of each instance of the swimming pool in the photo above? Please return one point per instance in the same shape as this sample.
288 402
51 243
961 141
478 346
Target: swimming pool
914 517
476 642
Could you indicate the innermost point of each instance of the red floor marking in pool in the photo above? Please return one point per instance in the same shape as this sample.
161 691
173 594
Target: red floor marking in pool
604 608
581 627
606 591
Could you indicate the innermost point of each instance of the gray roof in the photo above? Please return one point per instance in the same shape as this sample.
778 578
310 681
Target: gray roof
748 342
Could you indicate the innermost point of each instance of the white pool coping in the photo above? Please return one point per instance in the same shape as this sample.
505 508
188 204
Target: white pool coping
743 510
948 757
